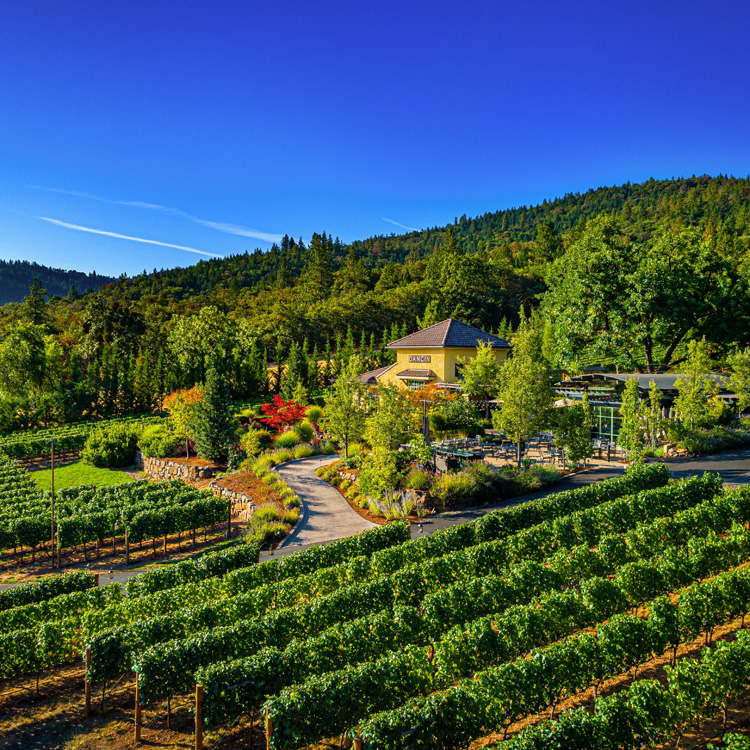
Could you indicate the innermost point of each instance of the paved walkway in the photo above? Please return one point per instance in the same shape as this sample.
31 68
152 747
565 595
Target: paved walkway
326 514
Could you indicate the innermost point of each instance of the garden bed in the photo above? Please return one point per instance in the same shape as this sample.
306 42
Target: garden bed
258 496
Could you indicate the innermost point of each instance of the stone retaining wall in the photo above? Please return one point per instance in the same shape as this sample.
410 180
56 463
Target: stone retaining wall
241 503
162 468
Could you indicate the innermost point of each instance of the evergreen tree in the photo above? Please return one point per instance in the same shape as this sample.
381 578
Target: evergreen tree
283 276
318 274
294 373
279 367
34 307
214 425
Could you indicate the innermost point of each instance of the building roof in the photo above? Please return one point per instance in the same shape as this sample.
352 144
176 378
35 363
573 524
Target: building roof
448 333
665 382
371 377
416 374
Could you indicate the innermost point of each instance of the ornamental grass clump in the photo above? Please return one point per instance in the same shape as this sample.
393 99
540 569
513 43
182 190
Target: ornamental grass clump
290 517
314 413
303 451
287 439
265 513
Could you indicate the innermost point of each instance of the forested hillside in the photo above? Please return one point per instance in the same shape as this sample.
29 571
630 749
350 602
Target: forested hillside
16 276
623 276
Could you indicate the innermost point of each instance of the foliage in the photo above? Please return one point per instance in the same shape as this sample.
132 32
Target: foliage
643 299
418 479
392 422
573 430
739 361
182 407
214 423
345 412
525 396
158 442
254 441
456 415
480 374
49 588
697 388
381 474
282 414
111 447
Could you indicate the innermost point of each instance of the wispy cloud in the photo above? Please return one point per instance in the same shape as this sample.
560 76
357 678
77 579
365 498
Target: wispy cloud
219 226
408 229
118 236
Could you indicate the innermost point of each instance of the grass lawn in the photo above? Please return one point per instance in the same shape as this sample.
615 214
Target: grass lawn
75 474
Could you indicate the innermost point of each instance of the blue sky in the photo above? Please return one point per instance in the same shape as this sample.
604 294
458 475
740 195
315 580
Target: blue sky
216 127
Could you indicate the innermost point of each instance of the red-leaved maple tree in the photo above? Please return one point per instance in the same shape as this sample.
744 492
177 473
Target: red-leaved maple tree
282 414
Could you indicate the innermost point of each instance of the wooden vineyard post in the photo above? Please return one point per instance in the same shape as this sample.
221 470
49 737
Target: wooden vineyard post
199 717
97 579
229 520
269 729
358 744
137 711
127 547
87 682
165 544
169 712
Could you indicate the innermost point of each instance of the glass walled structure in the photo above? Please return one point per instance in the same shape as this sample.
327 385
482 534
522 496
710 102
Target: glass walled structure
605 396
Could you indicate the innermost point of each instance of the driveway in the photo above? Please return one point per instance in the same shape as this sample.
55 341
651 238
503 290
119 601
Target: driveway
733 465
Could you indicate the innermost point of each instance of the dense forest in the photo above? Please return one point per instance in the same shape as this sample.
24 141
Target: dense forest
16 276
622 276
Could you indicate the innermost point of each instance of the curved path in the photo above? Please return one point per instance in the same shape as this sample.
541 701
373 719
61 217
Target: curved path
326 515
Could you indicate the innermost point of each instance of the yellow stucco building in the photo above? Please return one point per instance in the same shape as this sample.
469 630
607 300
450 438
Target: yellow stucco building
431 355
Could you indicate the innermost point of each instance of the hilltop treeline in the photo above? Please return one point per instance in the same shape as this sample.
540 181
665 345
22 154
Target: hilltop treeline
635 271
16 276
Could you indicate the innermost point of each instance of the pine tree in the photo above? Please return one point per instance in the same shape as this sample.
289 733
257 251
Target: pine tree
279 367
34 307
318 274
214 424
294 372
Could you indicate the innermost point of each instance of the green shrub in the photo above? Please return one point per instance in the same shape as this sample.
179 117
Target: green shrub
287 439
362 500
156 441
262 466
281 456
305 431
292 502
303 451
291 517
329 448
254 441
265 513
418 479
113 446
270 479
314 413
267 532
453 489
345 485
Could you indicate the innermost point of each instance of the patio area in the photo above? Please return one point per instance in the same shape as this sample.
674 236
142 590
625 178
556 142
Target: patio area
498 450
